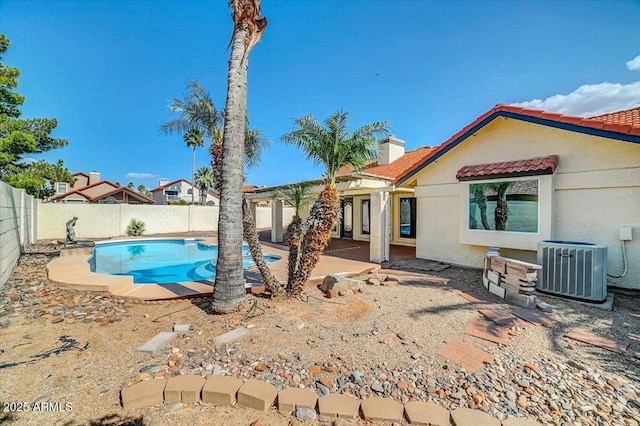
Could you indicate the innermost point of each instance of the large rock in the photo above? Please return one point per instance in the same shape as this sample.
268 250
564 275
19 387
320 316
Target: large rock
336 282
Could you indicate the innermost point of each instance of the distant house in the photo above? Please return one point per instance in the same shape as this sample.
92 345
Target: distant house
89 188
181 189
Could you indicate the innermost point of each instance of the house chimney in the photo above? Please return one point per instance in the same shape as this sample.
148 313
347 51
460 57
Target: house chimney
163 182
389 150
94 177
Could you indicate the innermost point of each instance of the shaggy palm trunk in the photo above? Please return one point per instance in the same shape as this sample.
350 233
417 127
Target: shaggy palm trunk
216 164
251 237
482 205
322 218
229 288
293 237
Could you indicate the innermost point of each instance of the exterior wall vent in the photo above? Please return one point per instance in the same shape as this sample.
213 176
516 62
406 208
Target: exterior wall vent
573 270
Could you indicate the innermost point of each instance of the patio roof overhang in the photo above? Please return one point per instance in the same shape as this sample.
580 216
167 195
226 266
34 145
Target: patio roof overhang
352 184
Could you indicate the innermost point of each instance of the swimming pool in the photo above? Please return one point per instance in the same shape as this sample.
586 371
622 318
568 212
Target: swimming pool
161 261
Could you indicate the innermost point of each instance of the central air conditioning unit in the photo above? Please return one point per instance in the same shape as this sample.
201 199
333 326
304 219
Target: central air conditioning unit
573 270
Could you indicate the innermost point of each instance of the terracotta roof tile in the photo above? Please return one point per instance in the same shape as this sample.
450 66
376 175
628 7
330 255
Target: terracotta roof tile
391 170
534 166
629 117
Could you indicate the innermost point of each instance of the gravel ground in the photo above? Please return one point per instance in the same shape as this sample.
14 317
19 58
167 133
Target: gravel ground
78 349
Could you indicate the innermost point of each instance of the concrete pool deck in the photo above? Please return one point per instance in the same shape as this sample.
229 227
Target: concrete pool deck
71 270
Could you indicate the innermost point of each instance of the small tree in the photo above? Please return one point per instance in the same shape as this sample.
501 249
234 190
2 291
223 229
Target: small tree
204 181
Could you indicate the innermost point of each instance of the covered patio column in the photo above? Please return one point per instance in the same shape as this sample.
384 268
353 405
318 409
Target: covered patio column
277 235
379 227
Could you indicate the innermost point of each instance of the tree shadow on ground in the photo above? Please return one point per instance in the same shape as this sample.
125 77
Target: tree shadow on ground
118 420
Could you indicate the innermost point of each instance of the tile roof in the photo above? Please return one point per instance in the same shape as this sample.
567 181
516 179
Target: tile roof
534 166
169 184
393 169
113 191
620 125
629 117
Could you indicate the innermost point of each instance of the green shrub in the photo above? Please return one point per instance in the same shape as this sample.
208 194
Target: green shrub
135 228
178 203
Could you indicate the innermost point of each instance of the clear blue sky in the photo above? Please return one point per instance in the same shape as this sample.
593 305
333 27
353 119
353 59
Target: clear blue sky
106 70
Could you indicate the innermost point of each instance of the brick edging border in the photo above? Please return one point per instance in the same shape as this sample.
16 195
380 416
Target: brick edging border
260 395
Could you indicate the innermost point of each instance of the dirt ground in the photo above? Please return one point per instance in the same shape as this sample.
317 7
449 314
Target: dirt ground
82 365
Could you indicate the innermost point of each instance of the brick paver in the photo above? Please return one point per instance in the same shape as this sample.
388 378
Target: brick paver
184 389
617 346
338 405
257 395
467 417
221 390
502 317
534 317
487 331
426 413
144 394
292 398
465 354
381 409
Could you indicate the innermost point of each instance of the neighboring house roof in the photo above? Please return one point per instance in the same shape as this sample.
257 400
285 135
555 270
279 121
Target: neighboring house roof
249 188
535 166
169 184
116 189
620 125
393 169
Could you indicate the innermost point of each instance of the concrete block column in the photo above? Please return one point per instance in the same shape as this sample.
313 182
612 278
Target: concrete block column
379 227
277 234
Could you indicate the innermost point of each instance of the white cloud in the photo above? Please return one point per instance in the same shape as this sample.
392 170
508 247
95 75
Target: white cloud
634 64
135 175
591 99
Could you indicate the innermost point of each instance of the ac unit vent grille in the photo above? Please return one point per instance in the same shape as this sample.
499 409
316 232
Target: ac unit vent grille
573 270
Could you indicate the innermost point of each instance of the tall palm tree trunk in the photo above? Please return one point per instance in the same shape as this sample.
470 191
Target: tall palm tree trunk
293 237
229 288
251 237
323 216
193 175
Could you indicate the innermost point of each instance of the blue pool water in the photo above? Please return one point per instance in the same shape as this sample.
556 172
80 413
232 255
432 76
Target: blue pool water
161 261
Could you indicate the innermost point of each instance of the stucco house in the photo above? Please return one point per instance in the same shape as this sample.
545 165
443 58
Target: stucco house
181 189
89 188
563 178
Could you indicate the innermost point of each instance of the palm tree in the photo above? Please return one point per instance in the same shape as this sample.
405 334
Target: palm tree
334 146
229 285
193 138
198 119
204 180
300 195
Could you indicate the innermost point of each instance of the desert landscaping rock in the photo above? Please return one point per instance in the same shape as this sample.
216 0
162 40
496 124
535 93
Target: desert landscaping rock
221 390
426 413
516 421
381 409
350 345
257 395
185 389
232 336
144 394
157 342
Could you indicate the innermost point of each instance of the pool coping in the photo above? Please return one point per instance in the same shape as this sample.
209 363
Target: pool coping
72 270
